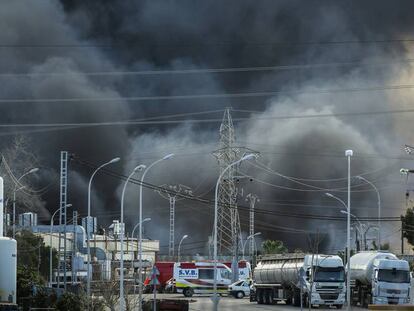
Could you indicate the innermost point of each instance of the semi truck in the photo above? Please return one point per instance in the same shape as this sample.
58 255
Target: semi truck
379 277
318 279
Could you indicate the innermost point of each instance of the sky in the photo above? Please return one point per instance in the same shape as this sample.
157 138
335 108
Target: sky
305 80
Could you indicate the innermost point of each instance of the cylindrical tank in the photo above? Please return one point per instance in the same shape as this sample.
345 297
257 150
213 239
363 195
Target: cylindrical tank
8 266
362 265
278 270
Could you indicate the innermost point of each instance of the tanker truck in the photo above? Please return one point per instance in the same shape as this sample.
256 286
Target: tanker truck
379 278
320 278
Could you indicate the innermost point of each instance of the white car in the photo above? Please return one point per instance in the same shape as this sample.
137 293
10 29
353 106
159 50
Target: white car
239 289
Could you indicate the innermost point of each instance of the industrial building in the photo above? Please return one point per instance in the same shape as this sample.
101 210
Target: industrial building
105 252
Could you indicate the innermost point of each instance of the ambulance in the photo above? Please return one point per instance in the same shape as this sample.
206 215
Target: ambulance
198 278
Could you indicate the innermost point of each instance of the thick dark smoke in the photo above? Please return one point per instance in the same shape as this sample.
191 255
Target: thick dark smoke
75 37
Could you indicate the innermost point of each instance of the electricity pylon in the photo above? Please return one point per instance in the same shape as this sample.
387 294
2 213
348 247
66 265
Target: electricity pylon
171 196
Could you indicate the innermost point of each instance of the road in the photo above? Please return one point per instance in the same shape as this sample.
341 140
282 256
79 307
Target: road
204 303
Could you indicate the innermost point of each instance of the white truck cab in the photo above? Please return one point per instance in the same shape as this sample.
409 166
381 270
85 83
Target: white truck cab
391 282
324 280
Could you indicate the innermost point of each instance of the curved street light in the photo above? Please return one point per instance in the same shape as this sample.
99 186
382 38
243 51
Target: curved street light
379 207
16 189
50 242
252 236
88 280
167 157
215 296
179 245
121 276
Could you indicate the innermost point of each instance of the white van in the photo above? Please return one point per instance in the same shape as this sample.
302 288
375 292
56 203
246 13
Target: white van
198 278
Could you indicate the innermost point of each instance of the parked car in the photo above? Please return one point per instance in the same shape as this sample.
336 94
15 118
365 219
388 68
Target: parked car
240 289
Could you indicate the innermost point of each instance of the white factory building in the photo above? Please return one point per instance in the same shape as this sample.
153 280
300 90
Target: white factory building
104 248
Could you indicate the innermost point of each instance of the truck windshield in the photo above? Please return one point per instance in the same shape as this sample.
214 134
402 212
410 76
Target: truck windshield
393 276
329 274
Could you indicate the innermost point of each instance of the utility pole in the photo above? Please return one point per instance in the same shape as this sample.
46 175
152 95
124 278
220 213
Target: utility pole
252 199
402 235
62 253
170 193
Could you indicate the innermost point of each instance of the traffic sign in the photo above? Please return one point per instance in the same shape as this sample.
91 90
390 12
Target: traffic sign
153 276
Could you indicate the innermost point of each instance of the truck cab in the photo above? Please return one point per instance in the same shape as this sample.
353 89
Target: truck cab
324 280
391 282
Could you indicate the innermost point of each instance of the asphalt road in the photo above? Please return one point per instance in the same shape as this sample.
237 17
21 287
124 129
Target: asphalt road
204 303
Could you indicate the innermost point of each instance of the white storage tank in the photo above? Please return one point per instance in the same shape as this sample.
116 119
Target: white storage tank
8 266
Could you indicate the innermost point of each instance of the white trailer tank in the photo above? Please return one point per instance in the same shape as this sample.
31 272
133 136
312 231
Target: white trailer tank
362 265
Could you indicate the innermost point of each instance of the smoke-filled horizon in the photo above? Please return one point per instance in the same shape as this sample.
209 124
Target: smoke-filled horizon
334 58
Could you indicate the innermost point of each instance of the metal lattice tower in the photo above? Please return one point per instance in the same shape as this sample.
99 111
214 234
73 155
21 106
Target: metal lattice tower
62 253
171 194
228 222
252 199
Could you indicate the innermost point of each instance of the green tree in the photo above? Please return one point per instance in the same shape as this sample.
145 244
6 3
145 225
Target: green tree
32 271
408 225
274 247
33 254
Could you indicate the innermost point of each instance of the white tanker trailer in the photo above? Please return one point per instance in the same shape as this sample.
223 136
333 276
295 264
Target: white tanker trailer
379 278
281 277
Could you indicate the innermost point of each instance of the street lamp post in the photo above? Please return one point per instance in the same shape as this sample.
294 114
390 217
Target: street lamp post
349 154
16 189
252 236
365 234
359 228
139 224
179 246
88 280
215 296
168 156
50 242
133 231
121 276
379 208
348 238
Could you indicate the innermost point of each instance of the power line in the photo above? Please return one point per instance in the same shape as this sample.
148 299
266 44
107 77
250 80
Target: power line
208 43
207 96
206 70
189 121
210 203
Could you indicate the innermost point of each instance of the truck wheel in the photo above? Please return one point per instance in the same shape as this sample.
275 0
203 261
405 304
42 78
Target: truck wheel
305 301
259 296
188 292
239 295
296 299
266 297
269 297
338 306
